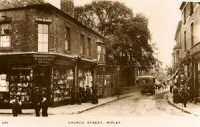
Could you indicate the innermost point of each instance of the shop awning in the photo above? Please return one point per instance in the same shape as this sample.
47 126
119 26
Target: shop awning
174 74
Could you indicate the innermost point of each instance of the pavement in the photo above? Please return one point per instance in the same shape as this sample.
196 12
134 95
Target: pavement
191 108
76 108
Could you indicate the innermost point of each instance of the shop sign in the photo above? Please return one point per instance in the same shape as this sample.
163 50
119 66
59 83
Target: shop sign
4 85
43 19
63 62
15 60
43 59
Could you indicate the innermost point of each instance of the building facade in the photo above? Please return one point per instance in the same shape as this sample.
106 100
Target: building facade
177 48
43 46
190 46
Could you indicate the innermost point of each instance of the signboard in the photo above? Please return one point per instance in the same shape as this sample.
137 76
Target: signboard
4 85
44 59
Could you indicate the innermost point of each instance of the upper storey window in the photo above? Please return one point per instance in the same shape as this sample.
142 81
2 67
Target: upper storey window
5 38
82 38
43 34
191 8
67 39
101 54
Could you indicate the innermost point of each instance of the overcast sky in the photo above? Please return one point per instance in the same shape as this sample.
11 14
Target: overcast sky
163 18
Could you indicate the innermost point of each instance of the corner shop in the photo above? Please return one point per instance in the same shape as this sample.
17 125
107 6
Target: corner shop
60 74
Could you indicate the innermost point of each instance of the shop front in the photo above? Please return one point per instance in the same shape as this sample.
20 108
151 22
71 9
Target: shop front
103 81
16 78
20 73
86 80
195 77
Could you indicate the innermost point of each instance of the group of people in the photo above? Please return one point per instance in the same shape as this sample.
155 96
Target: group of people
88 94
40 101
180 90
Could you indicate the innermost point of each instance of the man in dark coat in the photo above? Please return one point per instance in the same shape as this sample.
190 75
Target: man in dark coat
45 102
184 95
94 94
37 98
16 106
88 93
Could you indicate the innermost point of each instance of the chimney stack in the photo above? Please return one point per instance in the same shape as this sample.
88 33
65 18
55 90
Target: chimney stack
68 7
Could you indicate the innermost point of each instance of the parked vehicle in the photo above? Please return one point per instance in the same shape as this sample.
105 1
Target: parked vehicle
147 84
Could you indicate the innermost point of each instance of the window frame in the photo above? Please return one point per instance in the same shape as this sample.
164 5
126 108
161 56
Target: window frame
101 54
191 8
89 47
82 41
43 43
5 44
68 38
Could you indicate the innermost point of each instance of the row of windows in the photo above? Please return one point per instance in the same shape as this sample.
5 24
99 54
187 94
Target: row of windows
190 6
191 37
43 36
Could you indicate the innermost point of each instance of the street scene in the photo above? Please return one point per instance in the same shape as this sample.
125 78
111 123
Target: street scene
102 63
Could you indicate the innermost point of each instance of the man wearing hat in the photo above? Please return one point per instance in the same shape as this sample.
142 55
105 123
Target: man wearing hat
45 102
37 98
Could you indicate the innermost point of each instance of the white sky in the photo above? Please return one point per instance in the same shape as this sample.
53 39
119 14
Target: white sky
163 18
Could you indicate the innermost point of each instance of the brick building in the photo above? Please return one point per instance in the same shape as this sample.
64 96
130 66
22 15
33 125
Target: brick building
190 46
41 45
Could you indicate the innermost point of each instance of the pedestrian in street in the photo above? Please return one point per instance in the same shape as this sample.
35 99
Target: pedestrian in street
88 93
170 86
16 106
37 98
175 95
45 102
184 95
94 94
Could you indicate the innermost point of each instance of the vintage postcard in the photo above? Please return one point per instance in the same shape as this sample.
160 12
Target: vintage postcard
99 63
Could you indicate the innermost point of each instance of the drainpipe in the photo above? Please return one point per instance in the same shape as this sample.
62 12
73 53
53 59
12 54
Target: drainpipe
76 81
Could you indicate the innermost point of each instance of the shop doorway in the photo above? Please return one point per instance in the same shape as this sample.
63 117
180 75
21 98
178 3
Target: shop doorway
42 77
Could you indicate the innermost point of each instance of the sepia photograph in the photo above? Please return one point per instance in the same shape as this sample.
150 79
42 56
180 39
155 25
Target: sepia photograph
99 63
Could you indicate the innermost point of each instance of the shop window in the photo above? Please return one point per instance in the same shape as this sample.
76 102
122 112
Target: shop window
101 54
85 78
67 39
62 83
5 39
21 84
4 88
43 37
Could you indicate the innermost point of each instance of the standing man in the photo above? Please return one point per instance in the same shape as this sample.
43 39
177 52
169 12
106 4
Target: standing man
37 98
88 93
45 102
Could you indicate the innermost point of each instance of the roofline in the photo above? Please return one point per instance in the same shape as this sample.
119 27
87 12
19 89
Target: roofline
48 5
183 5
72 56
